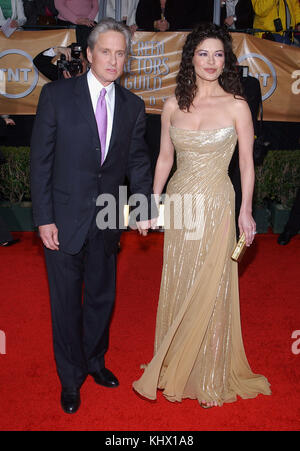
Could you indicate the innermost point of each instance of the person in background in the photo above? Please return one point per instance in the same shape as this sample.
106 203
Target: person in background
120 10
14 10
166 15
6 238
237 14
40 12
46 64
81 13
276 16
292 227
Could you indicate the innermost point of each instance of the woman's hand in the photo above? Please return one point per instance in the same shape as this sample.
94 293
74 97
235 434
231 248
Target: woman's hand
247 226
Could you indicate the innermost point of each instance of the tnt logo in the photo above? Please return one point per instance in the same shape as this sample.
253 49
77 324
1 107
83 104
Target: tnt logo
2 342
266 75
18 75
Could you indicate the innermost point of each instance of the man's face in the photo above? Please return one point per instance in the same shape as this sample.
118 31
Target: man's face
108 56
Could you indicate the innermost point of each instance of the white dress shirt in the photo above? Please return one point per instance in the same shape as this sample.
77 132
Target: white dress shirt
95 88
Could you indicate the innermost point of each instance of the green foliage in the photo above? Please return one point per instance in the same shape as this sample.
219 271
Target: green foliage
278 178
14 175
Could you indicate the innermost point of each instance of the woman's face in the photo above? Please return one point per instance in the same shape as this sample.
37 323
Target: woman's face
209 59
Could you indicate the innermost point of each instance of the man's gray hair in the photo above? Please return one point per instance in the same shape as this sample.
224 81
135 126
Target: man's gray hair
109 24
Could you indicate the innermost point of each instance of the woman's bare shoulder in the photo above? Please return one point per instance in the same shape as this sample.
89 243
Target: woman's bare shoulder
170 106
171 103
237 104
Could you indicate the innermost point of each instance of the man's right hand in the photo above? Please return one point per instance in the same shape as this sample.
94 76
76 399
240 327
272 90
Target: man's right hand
49 236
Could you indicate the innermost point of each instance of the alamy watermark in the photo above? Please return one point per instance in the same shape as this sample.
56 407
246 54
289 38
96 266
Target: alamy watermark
181 211
2 342
296 344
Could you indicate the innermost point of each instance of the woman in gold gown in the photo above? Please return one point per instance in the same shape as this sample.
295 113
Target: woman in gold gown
198 350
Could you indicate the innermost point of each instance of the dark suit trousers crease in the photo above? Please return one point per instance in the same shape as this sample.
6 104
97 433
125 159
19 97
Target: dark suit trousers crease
82 294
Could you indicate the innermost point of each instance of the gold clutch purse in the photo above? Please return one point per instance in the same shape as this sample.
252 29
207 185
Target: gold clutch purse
239 249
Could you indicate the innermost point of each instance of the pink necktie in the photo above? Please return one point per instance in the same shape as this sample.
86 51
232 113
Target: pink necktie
101 118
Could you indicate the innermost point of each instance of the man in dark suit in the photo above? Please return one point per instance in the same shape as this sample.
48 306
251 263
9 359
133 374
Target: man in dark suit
67 175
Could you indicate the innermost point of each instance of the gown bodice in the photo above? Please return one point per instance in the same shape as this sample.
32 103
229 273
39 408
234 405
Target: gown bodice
203 152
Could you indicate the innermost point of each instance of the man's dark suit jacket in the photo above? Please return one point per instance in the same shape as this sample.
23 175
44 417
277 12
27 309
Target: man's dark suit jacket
66 175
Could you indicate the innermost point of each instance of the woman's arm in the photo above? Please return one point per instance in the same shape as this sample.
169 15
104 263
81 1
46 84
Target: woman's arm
245 132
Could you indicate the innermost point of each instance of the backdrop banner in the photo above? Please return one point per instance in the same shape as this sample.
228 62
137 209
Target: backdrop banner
20 81
151 69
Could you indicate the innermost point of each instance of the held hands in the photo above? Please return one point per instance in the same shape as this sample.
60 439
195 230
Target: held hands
247 226
143 227
154 221
49 236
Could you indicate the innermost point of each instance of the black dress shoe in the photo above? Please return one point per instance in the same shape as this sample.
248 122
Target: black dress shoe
285 237
70 400
105 378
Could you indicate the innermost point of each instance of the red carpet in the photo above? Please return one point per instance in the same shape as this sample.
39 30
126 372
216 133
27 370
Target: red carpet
29 387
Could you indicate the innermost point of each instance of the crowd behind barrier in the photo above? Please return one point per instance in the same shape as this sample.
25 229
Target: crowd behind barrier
271 19
140 15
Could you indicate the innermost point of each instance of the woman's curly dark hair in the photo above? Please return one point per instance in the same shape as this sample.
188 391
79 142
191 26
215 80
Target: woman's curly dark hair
229 80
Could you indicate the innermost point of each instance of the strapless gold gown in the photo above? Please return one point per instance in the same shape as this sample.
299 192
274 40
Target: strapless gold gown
198 351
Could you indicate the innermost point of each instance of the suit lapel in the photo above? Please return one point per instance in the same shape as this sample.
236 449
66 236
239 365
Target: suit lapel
84 103
118 119
85 107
